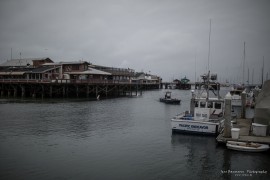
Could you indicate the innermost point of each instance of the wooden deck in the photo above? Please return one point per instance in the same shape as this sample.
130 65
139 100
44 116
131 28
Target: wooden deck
245 134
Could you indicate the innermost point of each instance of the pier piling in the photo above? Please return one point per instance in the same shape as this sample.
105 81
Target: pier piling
243 108
227 123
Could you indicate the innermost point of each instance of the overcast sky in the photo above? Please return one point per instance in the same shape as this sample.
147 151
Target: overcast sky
169 38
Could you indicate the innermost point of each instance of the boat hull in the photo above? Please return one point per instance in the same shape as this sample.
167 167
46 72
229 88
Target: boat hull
241 146
170 101
195 127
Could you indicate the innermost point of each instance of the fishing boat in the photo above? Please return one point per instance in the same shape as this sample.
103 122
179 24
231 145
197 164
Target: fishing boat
206 115
167 99
236 96
247 146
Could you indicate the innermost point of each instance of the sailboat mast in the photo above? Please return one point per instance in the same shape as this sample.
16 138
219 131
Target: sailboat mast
208 75
252 75
248 77
11 54
209 46
195 67
262 70
243 81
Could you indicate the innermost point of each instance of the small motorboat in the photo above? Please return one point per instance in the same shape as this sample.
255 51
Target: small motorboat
247 146
167 99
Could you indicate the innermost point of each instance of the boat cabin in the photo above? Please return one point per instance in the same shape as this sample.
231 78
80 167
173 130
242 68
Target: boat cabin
205 110
236 92
168 95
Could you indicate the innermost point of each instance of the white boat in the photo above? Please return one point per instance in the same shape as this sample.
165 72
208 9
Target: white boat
247 146
206 115
236 97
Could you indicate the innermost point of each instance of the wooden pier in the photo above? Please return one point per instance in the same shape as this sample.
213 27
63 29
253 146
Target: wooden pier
245 134
72 88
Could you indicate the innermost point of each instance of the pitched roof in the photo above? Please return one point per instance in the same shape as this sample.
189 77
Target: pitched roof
43 69
12 73
71 62
21 62
91 71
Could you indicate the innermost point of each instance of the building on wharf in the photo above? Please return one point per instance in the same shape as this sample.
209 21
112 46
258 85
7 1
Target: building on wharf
41 77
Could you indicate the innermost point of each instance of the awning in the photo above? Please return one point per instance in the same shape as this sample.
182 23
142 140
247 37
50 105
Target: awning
17 73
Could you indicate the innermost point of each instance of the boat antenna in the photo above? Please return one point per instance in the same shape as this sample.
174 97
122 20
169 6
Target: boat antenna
209 46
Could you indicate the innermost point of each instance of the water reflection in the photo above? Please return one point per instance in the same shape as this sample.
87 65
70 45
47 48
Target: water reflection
201 154
209 160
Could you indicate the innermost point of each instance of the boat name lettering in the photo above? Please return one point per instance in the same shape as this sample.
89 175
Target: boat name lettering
193 126
184 125
199 127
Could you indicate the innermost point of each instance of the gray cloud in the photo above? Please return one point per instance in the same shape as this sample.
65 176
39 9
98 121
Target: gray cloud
163 37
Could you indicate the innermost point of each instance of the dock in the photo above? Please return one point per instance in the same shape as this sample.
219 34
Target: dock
245 134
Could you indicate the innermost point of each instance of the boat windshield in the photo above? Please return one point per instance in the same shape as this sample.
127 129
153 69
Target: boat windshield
218 105
235 92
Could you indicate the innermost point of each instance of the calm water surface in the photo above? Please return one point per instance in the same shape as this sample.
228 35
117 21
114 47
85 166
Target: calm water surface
123 138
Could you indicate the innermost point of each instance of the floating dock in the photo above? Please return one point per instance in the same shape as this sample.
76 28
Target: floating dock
245 134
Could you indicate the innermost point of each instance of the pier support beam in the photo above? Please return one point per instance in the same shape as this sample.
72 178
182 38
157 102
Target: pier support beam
23 91
64 91
243 109
42 91
67 91
15 92
227 123
87 91
51 91
77 91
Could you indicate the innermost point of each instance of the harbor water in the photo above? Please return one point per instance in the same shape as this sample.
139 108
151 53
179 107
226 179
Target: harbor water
121 138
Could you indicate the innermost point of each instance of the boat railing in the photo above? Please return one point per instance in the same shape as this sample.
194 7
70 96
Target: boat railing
218 120
184 116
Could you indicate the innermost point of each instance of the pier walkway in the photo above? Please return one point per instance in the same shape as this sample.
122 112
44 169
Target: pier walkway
245 134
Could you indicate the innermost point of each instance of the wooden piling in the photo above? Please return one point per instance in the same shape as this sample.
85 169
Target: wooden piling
227 123
15 92
23 91
243 108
